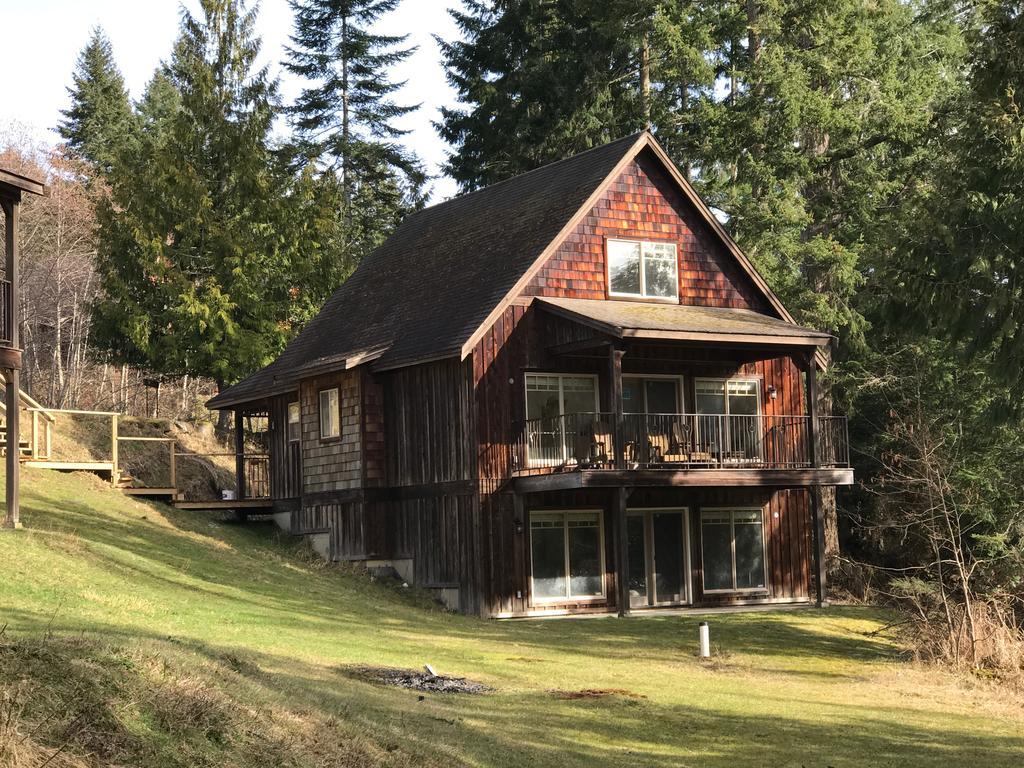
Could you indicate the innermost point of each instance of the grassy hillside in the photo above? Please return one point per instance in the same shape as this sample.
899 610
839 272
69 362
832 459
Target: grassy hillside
139 635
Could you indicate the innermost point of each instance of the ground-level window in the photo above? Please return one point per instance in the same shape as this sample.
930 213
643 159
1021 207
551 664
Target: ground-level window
567 555
330 421
732 549
294 422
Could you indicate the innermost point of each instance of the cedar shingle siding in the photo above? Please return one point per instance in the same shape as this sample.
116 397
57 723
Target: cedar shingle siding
333 464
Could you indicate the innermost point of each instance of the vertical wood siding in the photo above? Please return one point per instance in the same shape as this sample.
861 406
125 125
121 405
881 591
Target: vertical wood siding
787 542
285 456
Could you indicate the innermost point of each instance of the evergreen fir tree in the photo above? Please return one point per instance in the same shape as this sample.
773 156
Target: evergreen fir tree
817 137
966 244
99 123
541 81
203 266
159 105
344 118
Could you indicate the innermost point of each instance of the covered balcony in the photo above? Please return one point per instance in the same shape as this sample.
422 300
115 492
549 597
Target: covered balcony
664 395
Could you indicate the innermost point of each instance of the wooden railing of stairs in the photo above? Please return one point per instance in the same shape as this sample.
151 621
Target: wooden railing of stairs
36 443
37 453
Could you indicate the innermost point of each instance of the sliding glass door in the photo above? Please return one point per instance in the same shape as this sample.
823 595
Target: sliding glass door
658 557
549 398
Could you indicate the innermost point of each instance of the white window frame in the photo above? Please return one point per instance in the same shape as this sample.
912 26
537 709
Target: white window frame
674 298
756 381
567 514
732 549
645 513
725 382
337 412
542 462
289 422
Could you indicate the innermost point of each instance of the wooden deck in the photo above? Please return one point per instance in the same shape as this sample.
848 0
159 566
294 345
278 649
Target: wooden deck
219 504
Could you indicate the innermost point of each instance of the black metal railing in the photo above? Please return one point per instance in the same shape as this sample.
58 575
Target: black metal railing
680 440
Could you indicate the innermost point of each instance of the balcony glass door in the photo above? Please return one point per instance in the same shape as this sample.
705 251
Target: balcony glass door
552 402
658 557
728 419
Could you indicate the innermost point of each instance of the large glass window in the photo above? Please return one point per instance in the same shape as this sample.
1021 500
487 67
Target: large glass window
551 399
644 269
566 555
330 422
732 549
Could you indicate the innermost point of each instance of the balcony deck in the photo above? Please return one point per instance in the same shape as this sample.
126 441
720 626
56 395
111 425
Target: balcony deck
578 450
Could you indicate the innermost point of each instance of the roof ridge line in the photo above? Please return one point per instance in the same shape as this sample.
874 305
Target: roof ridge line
463 196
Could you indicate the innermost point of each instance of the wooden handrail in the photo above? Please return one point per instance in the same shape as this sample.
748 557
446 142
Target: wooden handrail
75 411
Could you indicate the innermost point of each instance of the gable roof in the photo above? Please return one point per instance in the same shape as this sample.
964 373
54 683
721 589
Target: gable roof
433 288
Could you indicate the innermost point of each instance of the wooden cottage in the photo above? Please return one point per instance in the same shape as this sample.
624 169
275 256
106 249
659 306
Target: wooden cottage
566 392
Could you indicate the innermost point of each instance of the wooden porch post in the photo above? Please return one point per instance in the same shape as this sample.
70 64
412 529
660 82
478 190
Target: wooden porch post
239 455
615 354
12 519
817 518
620 501
621 494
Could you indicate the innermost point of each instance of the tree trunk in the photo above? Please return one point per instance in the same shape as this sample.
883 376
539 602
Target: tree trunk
645 80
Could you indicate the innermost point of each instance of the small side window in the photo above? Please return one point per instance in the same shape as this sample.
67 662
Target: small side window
294 423
330 423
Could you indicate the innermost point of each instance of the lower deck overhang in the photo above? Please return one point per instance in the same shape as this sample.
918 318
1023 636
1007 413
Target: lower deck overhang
633 478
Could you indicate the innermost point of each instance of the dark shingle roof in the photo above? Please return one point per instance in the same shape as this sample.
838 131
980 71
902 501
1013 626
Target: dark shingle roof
644 319
423 293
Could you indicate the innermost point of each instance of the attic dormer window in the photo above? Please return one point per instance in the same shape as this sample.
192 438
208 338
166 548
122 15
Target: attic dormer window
642 269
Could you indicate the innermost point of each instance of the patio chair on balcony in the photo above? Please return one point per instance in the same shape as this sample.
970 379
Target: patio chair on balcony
591 444
666 450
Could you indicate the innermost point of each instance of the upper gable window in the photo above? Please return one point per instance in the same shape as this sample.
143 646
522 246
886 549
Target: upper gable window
643 269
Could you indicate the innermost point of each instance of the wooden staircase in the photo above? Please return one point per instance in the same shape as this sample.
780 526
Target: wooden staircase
24 444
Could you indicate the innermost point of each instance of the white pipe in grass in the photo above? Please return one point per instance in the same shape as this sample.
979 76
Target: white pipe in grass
705 640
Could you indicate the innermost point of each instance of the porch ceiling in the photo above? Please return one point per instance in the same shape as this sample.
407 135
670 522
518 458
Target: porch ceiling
648 320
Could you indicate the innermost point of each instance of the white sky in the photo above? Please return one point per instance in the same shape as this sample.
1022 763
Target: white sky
42 40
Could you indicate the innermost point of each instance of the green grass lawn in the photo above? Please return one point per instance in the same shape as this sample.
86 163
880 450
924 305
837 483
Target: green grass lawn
140 635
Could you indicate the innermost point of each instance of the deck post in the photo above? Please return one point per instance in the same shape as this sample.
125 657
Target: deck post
12 518
817 518
239 455
13 466
35 434
615 354
115 474
620 500
174 467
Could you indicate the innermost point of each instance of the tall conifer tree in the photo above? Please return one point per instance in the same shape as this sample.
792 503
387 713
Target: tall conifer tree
99 124
966 244
345 117
202 267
